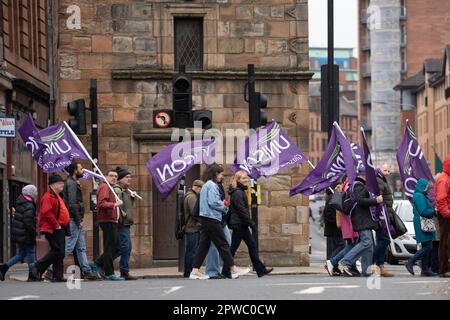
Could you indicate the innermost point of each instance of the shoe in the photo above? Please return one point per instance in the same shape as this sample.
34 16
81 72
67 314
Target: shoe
36 274
348 272
114 277
97 270
3 269
355 271
329 267
127 276
198 276
48 275
32 278
444 275
91 276
239 272
218 277
384 273
428 274
56 280
336 272
265 272
409 267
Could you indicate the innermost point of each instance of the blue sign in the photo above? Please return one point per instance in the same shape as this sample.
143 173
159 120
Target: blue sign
7 127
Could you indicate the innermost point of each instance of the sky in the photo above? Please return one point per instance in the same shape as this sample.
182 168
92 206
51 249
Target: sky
345 23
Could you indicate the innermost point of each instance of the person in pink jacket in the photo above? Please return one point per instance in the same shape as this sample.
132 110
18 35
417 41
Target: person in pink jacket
348 234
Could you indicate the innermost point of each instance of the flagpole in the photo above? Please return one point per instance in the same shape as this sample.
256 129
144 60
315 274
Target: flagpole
90 158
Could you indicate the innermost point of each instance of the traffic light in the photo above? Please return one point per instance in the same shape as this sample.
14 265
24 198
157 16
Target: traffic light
256 102
205 116
182 100
77 110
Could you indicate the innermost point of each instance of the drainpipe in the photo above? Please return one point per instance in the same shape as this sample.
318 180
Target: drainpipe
50 59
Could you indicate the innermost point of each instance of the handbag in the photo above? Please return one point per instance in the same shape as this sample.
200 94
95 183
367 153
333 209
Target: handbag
399 226
426 224
337 200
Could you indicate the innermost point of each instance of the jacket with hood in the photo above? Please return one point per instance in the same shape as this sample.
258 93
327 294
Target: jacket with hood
239 211
442 190
23 226
361 216
386 192
422 208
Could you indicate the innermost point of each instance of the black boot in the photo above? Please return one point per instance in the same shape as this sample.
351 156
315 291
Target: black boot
31 277
3 269
127 276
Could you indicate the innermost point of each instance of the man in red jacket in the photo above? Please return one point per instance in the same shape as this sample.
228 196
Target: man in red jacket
108 216
442 199
53 221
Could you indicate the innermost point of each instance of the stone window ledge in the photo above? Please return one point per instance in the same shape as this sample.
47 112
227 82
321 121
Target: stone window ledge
153 74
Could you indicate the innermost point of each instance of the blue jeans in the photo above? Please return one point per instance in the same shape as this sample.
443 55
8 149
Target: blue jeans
424 254
213 260
25 250
192 239
125 248
363 249
77 241
335 260
379 253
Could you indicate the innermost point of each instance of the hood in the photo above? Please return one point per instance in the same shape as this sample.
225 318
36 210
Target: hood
446 165
21 200
421 185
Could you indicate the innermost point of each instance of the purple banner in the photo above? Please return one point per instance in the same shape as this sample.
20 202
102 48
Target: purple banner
378 212
412 164
53 148
266 152
341 158
169 165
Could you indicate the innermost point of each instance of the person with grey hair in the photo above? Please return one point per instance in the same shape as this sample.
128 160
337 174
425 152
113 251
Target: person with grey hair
24 231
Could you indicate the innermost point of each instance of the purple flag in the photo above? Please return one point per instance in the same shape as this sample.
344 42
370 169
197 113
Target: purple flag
88 175
412 164
169 165
266 152
340 158
54 148
378 212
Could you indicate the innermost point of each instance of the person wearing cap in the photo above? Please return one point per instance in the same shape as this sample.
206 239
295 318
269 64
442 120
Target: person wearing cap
53 223
125 220
108 217
23 231
193 225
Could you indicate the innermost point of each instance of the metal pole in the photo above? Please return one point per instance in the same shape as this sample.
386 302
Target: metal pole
50 62
94 137
330 83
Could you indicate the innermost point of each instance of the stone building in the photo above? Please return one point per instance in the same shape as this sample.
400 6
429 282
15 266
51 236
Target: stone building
132 48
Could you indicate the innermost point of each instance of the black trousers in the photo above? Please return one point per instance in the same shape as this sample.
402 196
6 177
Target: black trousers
334 245
243 233
55 257
444 238
111 247
212 231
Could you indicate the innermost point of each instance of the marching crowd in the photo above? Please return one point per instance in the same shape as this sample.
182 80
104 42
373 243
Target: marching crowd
350 228
208 220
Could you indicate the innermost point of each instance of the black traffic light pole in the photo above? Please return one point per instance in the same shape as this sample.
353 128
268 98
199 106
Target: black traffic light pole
94 137
254 123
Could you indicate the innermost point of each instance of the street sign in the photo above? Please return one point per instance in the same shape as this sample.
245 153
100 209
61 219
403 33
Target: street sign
7 127
162 119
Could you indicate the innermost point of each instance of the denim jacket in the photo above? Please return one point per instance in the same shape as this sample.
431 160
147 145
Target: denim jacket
211 205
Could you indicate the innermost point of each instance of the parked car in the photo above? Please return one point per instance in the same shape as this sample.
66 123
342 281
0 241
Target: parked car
405 245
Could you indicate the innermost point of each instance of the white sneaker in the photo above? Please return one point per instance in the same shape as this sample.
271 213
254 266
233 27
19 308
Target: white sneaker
329 267
239 272
198 276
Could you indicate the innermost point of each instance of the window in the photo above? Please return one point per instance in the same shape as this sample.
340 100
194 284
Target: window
188 43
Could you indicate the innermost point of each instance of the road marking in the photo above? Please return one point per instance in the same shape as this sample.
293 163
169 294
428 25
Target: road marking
422 281
319 290
424 293
171 290
24 297
306 284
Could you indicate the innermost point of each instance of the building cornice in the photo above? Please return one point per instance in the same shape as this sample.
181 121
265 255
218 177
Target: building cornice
152 74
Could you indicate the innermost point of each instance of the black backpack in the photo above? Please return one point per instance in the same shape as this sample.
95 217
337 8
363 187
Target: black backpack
349 202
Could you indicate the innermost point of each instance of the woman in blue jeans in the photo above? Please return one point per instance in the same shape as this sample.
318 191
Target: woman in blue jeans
24 231
240 222
422 209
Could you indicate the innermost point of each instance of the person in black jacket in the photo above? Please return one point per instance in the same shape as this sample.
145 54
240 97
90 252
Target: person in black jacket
24 231
240 222
363 224
335 243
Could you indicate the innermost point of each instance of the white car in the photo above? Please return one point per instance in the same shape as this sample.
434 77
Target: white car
405 245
